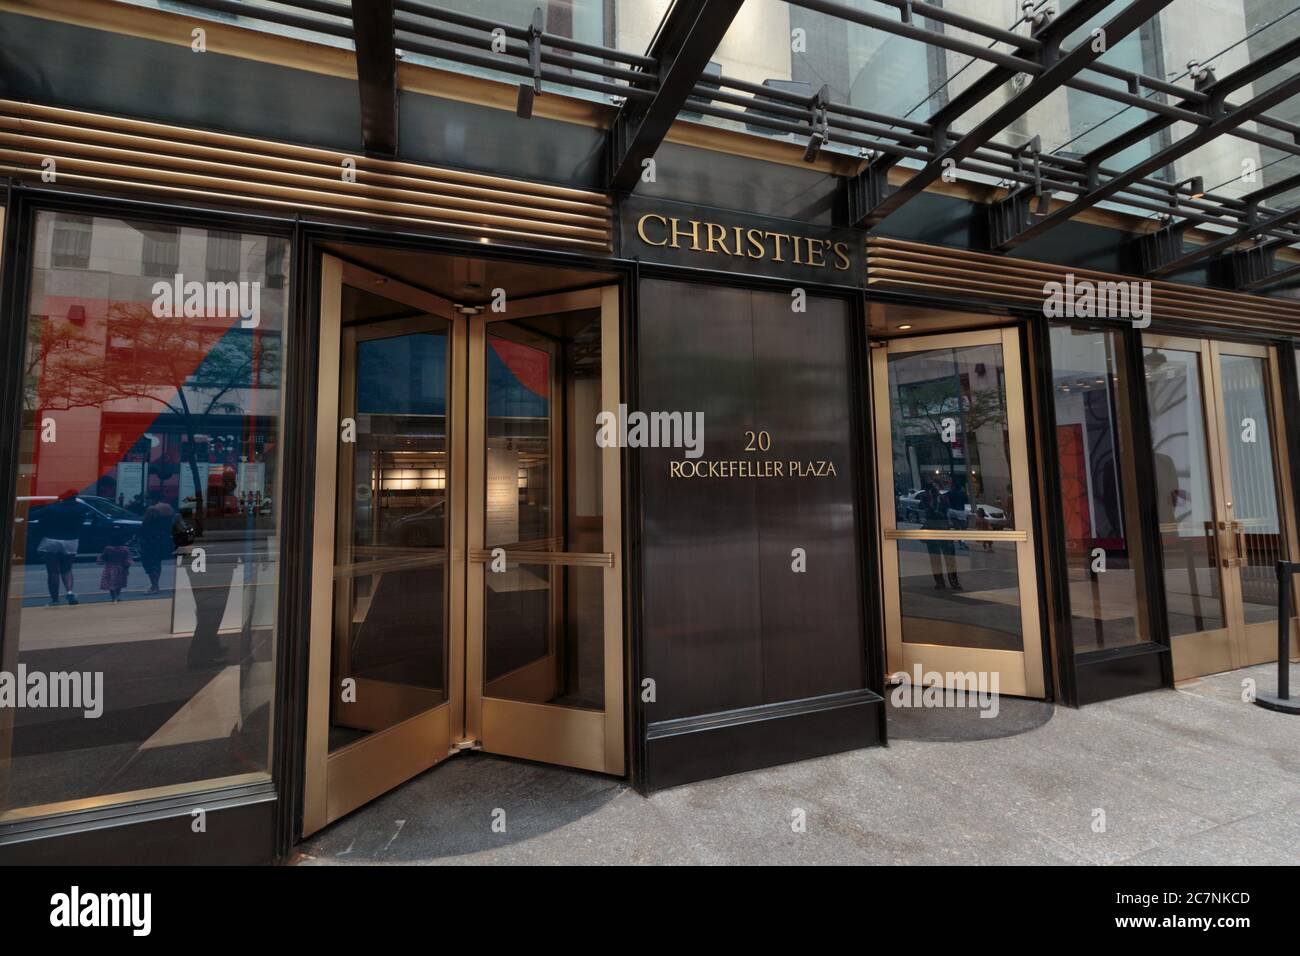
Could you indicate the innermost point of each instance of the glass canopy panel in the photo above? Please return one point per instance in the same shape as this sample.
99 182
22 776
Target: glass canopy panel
1225 33
1232 166
788 48
1073 121
1276 173
960 70
625 25
335 27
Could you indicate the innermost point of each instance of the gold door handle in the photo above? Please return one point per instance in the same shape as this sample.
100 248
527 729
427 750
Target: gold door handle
1239 540
1225 545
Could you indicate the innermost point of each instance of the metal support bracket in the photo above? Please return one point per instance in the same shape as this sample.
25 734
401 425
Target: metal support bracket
528 91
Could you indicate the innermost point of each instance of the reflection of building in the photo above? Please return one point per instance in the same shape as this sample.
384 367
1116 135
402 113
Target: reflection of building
171 404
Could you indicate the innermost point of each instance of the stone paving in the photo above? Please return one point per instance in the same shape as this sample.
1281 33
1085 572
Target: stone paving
1186 776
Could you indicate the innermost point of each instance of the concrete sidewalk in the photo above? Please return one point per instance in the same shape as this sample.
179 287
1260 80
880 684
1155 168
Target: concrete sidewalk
1189 776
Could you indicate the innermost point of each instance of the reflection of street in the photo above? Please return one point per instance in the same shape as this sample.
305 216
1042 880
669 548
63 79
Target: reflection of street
988 592
187 677
86 575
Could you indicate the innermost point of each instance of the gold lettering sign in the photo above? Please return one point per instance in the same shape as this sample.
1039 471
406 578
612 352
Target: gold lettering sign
755 441
713 238
757 468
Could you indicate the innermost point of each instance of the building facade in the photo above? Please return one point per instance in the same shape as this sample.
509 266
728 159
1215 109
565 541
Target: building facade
640 387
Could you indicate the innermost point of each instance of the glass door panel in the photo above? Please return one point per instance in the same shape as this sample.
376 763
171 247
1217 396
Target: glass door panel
523 606
384 701
1255 526
1254 509
545 594
1184 441
465 584
390 571
1213 410
960 586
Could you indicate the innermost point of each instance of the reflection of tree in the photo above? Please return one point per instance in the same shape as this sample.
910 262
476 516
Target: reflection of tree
55 354
923 406
187 369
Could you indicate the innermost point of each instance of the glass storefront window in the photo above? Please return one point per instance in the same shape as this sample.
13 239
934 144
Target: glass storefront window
143 586
1098 489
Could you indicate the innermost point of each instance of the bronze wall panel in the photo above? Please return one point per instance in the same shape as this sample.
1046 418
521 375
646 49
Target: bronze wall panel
812 621
701 548
727 624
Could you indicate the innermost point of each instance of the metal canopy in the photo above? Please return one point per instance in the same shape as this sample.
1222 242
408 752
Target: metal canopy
1043 52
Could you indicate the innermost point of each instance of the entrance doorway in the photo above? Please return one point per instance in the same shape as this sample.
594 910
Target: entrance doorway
959 577
1222 496
466 589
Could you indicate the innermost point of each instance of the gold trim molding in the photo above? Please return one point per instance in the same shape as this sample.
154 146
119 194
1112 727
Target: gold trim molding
898 265
117 154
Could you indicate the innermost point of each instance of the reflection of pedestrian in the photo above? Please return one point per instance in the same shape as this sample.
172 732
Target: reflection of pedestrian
156 537
116 559
942 553
60 538
1167 489
210 598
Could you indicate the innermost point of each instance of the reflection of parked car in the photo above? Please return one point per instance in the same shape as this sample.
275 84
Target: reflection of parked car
100 518
425 528
909 506
990 518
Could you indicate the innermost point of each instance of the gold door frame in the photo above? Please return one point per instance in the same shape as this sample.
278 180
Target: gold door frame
337 783
1020 672
1236 644
575 737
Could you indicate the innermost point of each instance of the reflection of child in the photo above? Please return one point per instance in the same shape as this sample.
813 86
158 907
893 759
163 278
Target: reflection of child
116 560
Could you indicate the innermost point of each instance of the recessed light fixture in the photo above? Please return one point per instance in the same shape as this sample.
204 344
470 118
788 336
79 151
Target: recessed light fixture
903 328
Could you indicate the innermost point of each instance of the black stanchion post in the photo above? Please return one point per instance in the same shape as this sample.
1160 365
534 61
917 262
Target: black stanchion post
1282 701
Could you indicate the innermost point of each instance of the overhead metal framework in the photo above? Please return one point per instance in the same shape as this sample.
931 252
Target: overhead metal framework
1017 66
372 24
1057 67
1214 119
681 49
